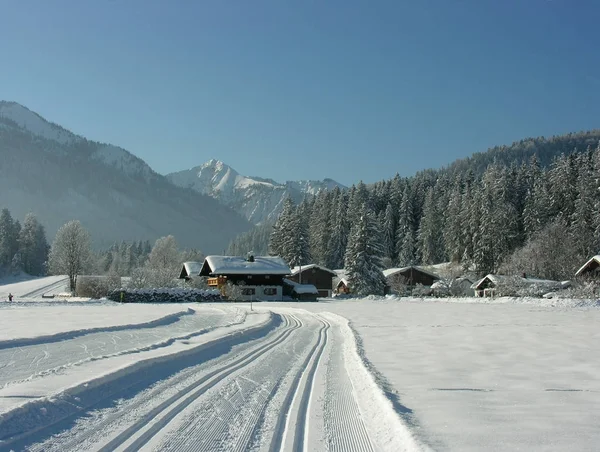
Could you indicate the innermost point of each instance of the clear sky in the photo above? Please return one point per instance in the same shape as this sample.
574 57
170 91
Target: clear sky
305 89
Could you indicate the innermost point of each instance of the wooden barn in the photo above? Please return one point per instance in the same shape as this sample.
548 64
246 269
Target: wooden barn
591 269
260 277
320 277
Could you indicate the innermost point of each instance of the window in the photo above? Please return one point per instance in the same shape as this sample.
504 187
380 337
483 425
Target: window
249 276
267 276
270 291
248 291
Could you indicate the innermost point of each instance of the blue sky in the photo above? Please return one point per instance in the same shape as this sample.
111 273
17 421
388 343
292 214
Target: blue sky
305 89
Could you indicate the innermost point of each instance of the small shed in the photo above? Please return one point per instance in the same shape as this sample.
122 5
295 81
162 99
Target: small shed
318 276
591 269
342 287
300 292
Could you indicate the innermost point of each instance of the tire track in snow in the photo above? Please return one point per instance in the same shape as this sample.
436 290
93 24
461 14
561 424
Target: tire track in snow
233 418
296 402
138 434
23 429
344 426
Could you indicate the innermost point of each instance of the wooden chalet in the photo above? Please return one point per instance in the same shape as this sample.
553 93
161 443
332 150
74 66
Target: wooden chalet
409 276
591 269
320 277
260 277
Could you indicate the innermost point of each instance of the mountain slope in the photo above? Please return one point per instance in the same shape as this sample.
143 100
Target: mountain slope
255 198
61 176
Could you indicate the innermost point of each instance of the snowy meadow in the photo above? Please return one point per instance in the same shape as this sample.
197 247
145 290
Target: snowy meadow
459 374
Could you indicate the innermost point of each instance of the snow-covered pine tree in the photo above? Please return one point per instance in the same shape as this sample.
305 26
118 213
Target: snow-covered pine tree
430 235
582 220
339 232
389 230
33 246
320 227
9 238
363 260
453 231
282 228
296 246
406 241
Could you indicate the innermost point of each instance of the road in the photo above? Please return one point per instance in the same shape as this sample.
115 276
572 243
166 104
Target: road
283 387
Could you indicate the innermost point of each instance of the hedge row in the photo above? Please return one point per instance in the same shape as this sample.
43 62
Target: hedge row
163 295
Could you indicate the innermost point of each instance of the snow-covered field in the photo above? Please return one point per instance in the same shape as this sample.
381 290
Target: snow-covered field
418 375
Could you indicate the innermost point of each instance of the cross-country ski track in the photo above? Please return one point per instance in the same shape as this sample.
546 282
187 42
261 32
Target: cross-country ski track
278 379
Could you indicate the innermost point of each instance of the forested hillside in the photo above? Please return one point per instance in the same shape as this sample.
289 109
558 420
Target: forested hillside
501 211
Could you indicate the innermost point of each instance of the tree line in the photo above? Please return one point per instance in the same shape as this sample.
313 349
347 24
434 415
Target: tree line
24 248
516 218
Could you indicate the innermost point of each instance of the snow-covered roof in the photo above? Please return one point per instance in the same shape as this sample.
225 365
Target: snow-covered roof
301 288
594 259
344 281
190 269
297 270
392 271
236 265
495 279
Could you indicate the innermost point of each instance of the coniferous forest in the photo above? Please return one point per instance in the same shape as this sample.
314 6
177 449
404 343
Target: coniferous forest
533 208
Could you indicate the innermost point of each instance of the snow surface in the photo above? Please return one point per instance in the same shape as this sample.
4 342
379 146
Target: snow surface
380 373
502 374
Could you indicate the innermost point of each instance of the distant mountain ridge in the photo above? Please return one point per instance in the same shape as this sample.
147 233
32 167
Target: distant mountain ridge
60 176
257 199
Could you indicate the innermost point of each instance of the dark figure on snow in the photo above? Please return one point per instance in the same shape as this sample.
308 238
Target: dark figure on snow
10 297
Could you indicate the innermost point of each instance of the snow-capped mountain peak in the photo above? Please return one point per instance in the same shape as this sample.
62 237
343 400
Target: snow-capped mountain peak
255 198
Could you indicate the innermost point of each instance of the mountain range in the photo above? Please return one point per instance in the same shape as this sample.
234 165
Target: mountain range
257 199
59 176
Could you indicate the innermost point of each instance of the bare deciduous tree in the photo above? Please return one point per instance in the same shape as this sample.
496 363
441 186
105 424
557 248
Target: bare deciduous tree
70 253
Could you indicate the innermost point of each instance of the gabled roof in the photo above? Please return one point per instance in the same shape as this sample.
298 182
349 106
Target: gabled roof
190 269
296 270
235 265
392 271
594 261
343 281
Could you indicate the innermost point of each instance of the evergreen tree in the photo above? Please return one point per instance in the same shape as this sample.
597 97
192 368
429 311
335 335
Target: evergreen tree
363 260
33 247
389 229
406 241
9 238
430 234
282 229
339 233
296 247
320 228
